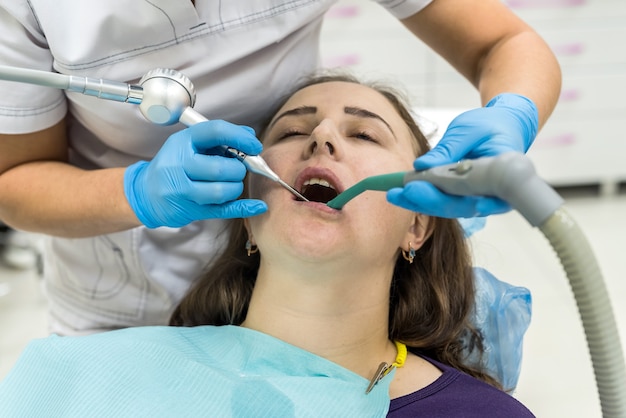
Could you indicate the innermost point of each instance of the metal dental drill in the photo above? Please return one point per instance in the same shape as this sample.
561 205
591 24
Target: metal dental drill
164 96
169 96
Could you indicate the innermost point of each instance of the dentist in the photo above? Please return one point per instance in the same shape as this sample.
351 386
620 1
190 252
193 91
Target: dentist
131 209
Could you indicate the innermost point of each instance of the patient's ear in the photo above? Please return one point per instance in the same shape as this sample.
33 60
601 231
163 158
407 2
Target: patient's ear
418 233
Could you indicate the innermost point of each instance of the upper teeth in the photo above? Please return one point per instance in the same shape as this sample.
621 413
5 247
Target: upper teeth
321 182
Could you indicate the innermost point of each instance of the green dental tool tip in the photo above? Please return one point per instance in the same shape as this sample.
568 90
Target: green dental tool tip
381 183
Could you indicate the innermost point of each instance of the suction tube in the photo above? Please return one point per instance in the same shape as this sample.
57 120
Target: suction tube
512 177
594 306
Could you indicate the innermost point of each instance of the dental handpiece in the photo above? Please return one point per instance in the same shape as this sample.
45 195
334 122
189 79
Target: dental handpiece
169 97
254 163
164 97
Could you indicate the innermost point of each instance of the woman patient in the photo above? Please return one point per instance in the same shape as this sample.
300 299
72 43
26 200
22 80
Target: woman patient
309 311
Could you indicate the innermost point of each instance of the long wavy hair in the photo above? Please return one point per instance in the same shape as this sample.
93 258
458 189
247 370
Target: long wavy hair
430 299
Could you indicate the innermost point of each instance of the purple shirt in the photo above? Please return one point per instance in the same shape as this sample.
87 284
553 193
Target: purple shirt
456 394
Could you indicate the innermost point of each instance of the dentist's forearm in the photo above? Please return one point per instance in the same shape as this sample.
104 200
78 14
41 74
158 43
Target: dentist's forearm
522 64
55 198
493 48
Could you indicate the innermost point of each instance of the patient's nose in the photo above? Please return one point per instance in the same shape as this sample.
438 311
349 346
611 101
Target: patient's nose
324 139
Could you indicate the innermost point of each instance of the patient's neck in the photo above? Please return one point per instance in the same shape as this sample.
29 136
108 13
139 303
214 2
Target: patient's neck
341 316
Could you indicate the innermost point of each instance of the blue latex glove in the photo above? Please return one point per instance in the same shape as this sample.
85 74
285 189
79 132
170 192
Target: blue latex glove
509 122
190 178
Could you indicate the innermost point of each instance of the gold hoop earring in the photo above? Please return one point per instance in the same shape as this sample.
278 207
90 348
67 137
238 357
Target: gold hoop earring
251 248
409 255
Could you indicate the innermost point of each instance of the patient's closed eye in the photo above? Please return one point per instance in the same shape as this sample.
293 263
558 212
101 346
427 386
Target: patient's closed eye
365 136
293 132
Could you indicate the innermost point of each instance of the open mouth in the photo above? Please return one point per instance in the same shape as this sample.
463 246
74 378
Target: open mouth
318 190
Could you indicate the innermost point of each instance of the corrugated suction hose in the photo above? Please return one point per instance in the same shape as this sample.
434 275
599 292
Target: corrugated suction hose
595 310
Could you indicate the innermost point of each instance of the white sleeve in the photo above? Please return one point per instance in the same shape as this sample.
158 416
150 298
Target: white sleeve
24 107
402 9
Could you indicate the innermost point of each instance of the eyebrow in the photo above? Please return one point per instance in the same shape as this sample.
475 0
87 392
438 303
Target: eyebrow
357 111
302 110
348 110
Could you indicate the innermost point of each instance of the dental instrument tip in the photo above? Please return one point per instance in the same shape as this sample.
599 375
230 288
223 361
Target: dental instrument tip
293 191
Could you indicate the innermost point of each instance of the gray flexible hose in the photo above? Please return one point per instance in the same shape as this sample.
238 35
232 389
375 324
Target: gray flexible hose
512 178
595 310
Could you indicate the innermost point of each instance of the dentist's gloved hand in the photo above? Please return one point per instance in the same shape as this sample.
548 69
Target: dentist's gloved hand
190 178
509 122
